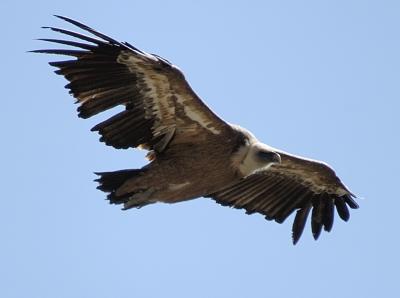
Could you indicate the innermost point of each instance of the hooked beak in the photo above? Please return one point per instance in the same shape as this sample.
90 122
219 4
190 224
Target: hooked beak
269 156
276 158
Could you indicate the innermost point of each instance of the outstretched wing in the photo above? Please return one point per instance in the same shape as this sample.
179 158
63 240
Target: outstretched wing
159 104
294 184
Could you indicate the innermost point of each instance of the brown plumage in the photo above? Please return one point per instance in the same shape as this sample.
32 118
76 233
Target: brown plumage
192 152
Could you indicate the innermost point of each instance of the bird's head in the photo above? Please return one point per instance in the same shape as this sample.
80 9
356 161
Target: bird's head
253 156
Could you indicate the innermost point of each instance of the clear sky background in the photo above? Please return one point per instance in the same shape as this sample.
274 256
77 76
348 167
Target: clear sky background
315 78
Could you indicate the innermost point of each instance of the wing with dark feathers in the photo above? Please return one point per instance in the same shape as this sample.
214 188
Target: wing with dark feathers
159 103
296 184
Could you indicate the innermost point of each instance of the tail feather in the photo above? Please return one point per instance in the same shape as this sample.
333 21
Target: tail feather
111 181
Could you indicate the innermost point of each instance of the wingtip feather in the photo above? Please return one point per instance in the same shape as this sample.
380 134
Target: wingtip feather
349 200
299 223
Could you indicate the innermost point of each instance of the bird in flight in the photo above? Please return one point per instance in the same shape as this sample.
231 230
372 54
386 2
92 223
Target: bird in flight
192 152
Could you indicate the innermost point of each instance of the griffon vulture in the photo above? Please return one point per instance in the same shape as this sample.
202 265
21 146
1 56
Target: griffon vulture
193 152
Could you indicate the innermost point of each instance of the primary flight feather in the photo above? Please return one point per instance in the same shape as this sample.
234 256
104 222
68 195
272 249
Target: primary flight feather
192 152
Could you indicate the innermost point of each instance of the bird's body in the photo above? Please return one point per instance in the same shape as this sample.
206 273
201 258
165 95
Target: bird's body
193 152
180 173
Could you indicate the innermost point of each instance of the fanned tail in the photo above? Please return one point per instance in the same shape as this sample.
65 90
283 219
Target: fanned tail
110 182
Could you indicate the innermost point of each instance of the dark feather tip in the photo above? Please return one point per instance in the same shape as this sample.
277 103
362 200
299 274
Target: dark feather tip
328 214
299 223
342 209
316 228
349 200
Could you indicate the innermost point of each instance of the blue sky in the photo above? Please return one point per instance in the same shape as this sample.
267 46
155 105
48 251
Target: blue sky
315 78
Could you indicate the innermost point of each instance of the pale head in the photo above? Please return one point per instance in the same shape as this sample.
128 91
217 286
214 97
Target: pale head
252 155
